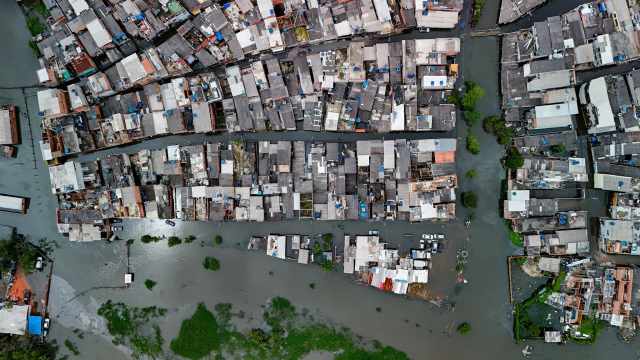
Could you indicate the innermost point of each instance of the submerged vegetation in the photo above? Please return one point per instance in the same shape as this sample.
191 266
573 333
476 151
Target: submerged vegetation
284 336
134 327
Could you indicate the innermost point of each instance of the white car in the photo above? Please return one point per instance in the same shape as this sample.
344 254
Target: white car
428 236
39 263
440 236
421 244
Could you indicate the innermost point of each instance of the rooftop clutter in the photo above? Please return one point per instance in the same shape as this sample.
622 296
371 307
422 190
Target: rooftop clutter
399 86
87 36
401 179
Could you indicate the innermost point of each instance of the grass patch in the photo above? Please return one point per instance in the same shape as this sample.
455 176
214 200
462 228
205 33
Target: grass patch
211 263
134 327
589 330
149 284
198 335
71 347
530 315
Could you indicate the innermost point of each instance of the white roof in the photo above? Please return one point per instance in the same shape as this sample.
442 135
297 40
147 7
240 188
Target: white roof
43 75
554 110
599 98
78 6
98 32
11 203
66 177
518 195
133 67
48 102
245 38
14 320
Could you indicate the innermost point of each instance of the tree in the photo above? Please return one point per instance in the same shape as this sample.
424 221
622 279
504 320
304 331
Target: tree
469 199
489 123
464 328
217 239
211 263
471 117
472 173
473 145
471 96
514 159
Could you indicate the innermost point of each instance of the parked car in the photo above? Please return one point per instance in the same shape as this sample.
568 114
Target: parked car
421 244
434 247
428 236
169 222
27 296
440 236
117 228
39 263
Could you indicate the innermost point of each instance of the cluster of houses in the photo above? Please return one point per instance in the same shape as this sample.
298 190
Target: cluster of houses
586 292
123 42
409 180
398 86
573 135
366 257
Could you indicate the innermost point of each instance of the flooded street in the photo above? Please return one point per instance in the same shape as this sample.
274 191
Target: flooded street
86 275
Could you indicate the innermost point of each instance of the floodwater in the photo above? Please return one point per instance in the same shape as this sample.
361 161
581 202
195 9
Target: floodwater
88 274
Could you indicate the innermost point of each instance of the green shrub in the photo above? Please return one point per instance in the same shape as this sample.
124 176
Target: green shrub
558 149
148 239
472 173
211 263
173 241
149 284
464 328
217 239
473 145
189 239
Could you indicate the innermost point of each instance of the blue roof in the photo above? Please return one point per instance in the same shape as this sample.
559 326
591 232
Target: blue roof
35 325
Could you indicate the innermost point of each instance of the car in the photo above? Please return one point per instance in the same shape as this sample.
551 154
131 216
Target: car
169 222
374 232
428 236
440 236
115 228
434 247
27 296
39 263
45 327
421 244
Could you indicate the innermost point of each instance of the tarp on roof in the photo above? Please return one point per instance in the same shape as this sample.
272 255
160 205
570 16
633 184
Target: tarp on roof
35 325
